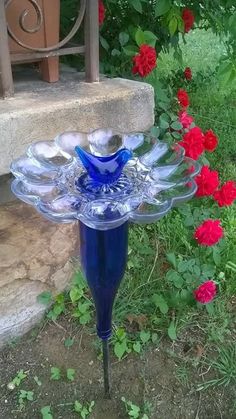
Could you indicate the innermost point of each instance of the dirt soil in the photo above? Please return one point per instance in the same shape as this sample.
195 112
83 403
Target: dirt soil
147 380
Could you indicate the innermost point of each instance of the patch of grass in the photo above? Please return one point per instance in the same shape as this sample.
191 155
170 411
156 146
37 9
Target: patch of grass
224 366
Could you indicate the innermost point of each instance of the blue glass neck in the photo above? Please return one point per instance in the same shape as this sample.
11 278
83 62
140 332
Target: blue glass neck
105 169
103 259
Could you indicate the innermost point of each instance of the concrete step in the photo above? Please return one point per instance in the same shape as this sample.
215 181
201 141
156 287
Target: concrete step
39 111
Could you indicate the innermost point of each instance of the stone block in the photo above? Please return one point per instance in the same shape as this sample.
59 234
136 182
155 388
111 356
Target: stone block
35 256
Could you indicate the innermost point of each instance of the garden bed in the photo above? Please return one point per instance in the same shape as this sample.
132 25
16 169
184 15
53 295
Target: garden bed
161 380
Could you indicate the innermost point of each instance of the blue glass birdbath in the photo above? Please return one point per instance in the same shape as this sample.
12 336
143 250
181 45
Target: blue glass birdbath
104 180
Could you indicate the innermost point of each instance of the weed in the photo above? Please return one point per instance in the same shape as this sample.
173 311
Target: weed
84 410
17 380
38 382
133 410
224 366
70 374
25 396
46 412
55 373
182 375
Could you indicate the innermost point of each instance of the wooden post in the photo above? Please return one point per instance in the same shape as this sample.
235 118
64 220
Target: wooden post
6 81
91 41
50 66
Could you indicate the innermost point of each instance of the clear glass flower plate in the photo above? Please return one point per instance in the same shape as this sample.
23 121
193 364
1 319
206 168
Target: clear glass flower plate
104 178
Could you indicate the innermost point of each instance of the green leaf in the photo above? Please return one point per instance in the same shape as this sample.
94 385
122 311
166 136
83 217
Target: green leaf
145 336
164 124
172 330
78 406
75 294
183 266
46 412
176 135
180 24
137 5
115 52
226 72
21 375
45 298
69 342
123 38
208 271
85 318
130 50
172 259
176 125
139 37
154 337
30 396
104 43
55 373
175 278
173 25
92 404
162 7
38 382
150 38
121 333
210 308
84 307
120 349
137 347
155 131
70 374
216 256
160 302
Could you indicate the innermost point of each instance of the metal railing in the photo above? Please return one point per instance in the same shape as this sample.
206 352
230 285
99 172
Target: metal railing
87 12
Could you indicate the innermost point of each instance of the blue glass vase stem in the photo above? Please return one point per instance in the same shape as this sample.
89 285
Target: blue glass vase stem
103 259
106 369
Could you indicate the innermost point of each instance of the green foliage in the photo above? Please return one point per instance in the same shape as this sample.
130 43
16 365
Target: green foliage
38 382
76 302
45 298
17 380
125 343
25 396
84 410
55 373
46 412
70 374
133 410
224 366
69 342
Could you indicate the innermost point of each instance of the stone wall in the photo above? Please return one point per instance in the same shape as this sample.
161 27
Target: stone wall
35 256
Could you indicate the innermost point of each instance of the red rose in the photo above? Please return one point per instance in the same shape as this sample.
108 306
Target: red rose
209 233
101 12
188 73
183 98
185 119
145 61
193 143
188 18
206 292
210 141
226 195
207 181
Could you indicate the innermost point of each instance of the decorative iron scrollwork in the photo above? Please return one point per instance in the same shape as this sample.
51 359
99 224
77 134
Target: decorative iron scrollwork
39 14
